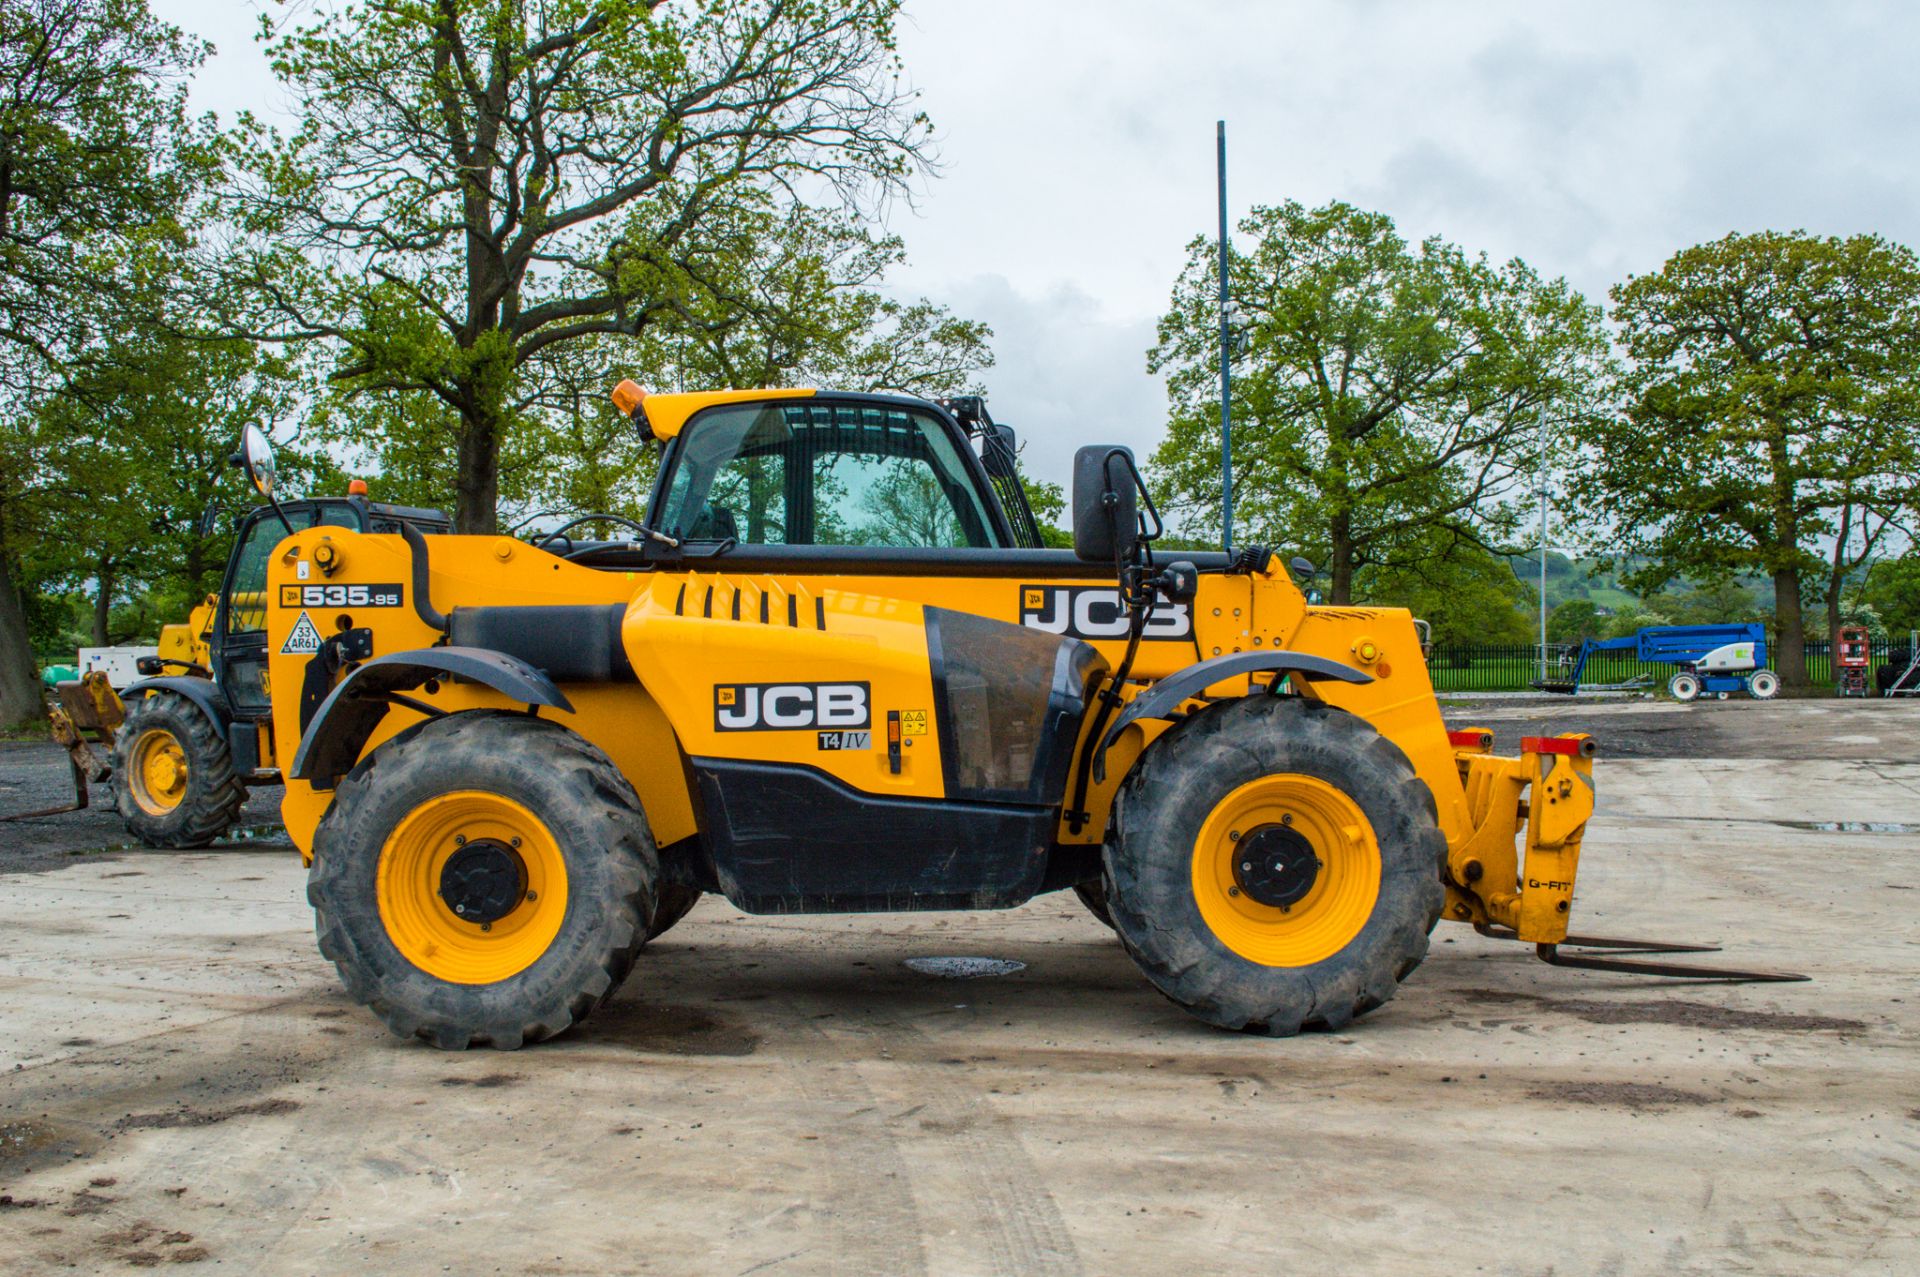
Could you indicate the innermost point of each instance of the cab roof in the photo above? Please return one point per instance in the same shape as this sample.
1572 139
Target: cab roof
667 414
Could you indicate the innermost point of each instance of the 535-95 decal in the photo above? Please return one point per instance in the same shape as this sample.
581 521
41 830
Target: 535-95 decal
384 595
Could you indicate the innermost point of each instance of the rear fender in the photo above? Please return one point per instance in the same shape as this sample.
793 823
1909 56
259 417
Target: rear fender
201 691
344 722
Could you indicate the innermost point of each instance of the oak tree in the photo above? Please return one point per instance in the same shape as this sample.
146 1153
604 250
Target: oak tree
1390 401
476 183
1771 399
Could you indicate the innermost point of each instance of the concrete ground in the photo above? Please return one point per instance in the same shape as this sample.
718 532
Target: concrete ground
182 1080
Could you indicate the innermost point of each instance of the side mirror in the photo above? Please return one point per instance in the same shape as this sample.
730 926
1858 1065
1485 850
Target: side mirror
1106 507
256 458
1303 568
210 519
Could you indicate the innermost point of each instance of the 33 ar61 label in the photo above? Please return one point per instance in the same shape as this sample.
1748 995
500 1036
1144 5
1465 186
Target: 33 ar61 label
383 595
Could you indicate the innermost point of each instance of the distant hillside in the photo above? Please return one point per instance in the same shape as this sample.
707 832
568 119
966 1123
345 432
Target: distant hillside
1583 578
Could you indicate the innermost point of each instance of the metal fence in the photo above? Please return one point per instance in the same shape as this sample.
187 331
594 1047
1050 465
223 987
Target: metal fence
1514 667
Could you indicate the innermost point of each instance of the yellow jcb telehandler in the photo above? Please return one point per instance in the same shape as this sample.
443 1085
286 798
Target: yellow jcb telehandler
832 670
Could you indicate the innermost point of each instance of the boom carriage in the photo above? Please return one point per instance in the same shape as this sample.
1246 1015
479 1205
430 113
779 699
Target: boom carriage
516 762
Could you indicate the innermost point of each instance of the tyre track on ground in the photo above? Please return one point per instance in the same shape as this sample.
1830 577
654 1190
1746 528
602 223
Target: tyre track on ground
873 1221
1013 1211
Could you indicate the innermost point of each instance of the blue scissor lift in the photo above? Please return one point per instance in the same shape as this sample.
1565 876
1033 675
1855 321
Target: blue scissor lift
1713 660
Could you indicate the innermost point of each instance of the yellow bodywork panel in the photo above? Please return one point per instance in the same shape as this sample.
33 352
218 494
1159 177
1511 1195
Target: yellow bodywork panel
189 643
723 659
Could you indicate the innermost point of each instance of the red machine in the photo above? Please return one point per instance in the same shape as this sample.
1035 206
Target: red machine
1852 653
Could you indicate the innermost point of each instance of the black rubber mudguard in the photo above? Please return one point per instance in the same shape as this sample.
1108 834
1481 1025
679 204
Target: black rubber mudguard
340 729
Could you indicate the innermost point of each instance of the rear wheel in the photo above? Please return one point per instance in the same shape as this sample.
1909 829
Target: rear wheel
173 778
1684 686
483 879
1277 866
1763 685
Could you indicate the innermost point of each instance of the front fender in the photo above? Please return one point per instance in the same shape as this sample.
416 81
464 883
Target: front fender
1160 700
340 728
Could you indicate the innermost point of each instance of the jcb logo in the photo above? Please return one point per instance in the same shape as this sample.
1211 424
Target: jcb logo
1094 612
791 707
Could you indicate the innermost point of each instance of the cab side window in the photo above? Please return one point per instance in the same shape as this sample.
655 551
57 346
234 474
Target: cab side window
825 474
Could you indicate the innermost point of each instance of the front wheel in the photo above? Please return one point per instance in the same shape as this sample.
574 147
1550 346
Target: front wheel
483 879
1684 686
1763 685
173 777
1277 865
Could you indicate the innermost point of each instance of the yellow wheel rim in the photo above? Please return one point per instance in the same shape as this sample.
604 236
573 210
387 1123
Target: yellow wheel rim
158 775
1286 814
421 924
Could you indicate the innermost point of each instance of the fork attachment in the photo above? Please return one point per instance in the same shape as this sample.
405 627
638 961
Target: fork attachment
1546 797
1551 955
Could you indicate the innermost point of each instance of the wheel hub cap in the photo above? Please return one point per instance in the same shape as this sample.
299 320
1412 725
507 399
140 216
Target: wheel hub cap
483 881
1275 866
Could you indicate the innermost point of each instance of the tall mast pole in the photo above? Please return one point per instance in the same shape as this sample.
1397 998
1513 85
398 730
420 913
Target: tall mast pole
1226 371
1543 551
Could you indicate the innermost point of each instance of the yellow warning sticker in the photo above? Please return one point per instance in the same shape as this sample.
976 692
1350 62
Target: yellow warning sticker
913 722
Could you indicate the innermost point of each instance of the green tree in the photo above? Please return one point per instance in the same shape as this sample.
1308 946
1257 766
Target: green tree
1714 603
1465 594
145 424
1892 589
1390 402
1770 390
97 159
793 298
478 182
1574 621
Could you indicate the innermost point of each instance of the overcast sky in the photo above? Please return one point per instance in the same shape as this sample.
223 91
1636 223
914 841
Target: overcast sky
1077 147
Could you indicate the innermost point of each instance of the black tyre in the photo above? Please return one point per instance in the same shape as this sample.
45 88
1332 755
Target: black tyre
173 777
483 879
1093 894
675 901
1277 865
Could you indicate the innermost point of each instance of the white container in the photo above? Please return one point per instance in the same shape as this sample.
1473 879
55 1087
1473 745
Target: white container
117 663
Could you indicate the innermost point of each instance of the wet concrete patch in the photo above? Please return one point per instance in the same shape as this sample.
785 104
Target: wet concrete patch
670 1030
186 1117
1676 1011
27 1144
964 968
1851 826
1638 1096
486 1081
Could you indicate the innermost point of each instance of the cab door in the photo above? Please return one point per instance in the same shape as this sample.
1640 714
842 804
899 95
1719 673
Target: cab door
239 641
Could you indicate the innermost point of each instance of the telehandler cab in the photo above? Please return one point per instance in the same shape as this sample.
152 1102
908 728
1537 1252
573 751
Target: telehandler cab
834 671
